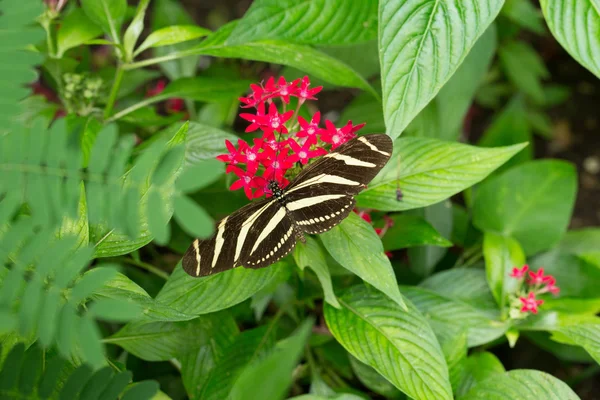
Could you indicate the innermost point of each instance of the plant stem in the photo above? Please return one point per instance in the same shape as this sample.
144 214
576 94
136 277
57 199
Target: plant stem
114 91
134 107
148 267
152 61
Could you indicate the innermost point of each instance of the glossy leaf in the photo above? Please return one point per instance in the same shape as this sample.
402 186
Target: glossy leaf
192 218
419 39
75 29
107 14
409 231
482 325
575 25
274 371
213 293
531 203
586 335
521 384
172 35
135 28
373 380
398 344
205 142
325 22
355 245
200 175
478 367
502 254
311 255
429 171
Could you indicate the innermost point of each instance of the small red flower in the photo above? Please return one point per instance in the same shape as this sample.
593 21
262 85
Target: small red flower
519 272
538 278
304 153
235 155
157 89
277 164
274 121
255 119
336 136
253 98
175 105
364 215
304 93
530 303
286 89
552 288
309 130
246 181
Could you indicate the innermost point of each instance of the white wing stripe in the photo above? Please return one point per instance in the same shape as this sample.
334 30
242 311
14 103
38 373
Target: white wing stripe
219 241
372 146
324 178
246 225
271 225
197 250
311 201
350 160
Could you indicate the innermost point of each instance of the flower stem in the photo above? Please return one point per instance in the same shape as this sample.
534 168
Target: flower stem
114 91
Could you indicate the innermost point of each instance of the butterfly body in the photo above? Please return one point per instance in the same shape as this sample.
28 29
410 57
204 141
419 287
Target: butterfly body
318 199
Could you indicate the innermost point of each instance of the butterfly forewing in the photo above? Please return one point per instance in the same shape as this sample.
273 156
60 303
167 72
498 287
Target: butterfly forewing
320 197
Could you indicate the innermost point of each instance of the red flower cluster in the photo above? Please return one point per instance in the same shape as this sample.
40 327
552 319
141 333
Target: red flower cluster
537 283
287 138
388 223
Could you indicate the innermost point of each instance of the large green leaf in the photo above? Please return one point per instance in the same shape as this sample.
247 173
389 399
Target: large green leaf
447 312
326 22
429 171
216 292
162 341
531 202
398 344
355 245
422 43
107 14
477 368
373 380
411 230
521 384
75 29
305 58
586 335
274 372
575 24
311 255
502 254
123 288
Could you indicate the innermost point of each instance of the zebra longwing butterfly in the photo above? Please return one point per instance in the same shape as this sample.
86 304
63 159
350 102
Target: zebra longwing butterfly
319 198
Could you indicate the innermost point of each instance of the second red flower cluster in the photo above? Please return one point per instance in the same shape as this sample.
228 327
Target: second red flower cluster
537 283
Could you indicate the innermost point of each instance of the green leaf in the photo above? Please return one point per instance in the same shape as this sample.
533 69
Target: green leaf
142 390
575 25
107 14
446 312
75 30
355 245
200 175
524 68
304 58
274 372
162 341
586 335
411 230
216 292
367 109
400 345
115 310
172 35
205 142
531 203
246 350
477 368
192 218
510 127
373 380
525 14
310 254
109 243
428 38
502 254
122 288
429 171
135 28
326 22
521 384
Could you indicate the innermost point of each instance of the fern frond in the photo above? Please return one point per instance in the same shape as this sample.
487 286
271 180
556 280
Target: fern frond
17 68
32 375
43 295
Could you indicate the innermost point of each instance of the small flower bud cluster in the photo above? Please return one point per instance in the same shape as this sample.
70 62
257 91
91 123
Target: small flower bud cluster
531 284
80 92
287 138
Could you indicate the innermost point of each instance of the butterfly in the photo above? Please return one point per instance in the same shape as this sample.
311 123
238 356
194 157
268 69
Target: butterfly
319 198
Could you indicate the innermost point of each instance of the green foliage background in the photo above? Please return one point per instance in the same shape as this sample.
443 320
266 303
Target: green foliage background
97 207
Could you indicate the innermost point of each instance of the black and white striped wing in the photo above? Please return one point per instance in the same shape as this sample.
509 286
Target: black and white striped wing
322 195
254 236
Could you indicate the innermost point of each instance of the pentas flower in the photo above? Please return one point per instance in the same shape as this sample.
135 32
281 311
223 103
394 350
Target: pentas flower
288 141
524 299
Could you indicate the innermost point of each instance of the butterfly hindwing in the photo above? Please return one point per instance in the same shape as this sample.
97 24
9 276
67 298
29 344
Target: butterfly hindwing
320 213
